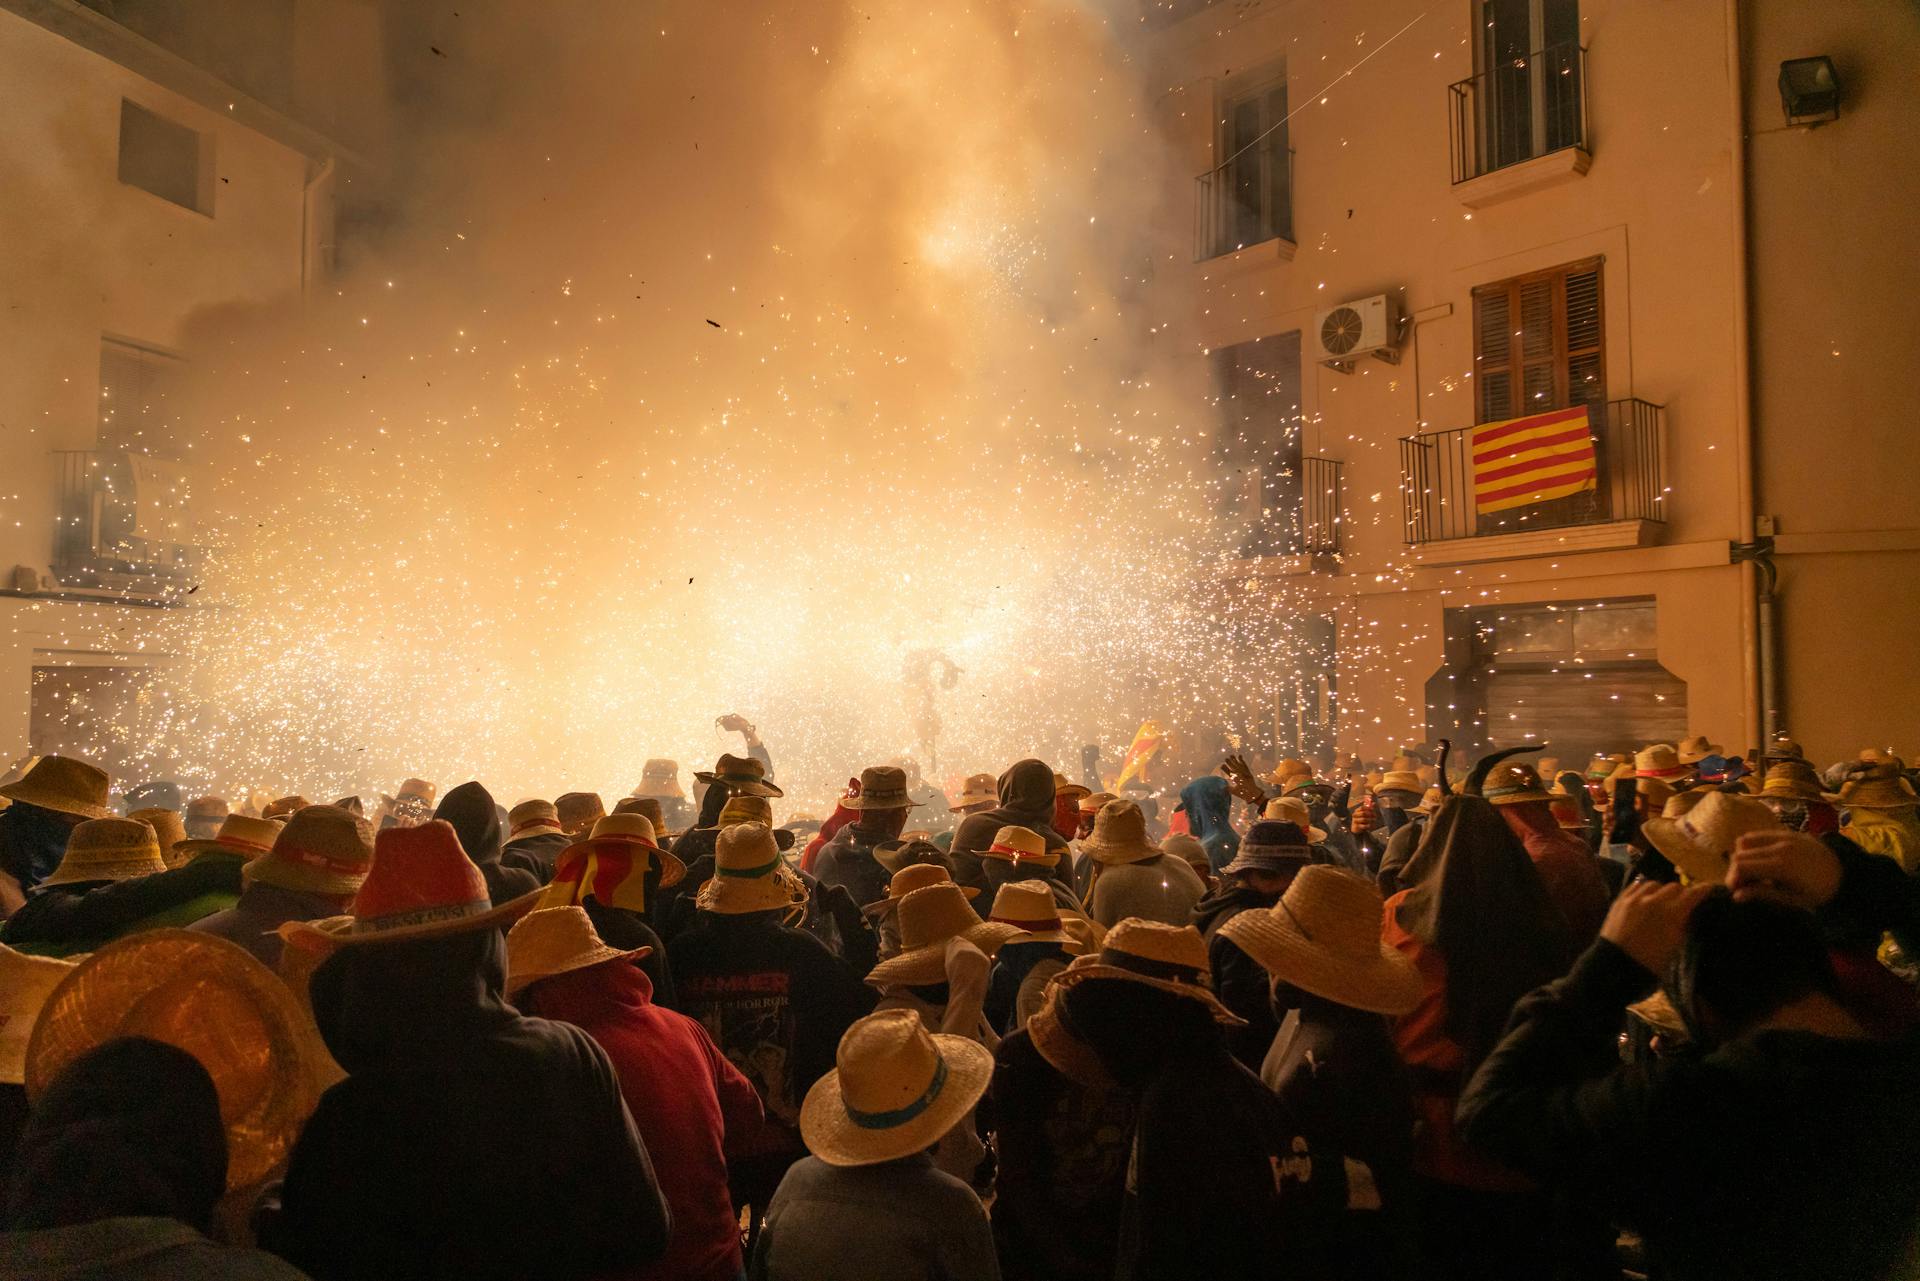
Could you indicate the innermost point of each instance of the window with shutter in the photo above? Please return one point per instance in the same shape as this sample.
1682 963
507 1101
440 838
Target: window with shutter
1255 168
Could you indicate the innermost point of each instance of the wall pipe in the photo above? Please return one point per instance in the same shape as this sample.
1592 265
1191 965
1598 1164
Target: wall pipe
1755 652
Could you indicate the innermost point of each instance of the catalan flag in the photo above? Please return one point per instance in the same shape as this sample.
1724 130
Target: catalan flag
1532 459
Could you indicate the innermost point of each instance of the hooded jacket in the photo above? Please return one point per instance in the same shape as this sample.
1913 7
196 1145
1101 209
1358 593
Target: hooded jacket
1209 808
476 820
687 1100
1026 800
536 853
467 1141
1239 981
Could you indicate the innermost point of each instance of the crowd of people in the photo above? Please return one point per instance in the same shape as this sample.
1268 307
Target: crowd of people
1656 1016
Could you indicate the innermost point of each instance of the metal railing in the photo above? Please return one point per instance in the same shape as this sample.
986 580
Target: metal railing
1523 108
1320 506
1244 201
121 517
1437 481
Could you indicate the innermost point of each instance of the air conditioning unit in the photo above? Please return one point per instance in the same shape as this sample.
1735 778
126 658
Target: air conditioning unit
1364 327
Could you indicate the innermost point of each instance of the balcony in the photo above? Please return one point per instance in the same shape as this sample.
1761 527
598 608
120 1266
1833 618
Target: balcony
121 523
1301 517
1519 126
1625 507
1320 506
1246 201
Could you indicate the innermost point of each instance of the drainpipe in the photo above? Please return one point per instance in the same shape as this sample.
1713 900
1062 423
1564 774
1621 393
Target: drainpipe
1756 649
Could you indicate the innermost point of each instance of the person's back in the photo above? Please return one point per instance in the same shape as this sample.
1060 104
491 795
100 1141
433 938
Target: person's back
902 1220
1157 889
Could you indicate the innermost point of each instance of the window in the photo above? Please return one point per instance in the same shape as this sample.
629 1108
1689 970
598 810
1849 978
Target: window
1540 342
1259 398
169 160
1529 62
141 399
1247 197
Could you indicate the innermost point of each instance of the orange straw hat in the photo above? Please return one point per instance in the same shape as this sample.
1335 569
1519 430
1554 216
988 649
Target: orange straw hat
1323 936
531 818
63 784
579 811
748 873
980 789
1020 845
745 776
930 918
1030 907
169 832
1700 842
611 865
557 940
1660 761
660 777
247 837
25 983
1794 780
1119 835
212 999
1171 958
108 849
1696 749
1513 783
322 850
422 885
917 876
896 1090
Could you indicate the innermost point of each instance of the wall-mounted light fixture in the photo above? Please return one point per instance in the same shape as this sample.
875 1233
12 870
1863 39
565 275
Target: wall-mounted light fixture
1810 90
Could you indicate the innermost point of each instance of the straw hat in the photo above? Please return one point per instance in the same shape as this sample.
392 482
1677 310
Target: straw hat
907 851
1429 801
1400 780
753 809
1172 958
210 998
647 807
1093 802
748 873
421 885
25 983
1302 785
660 777
1323 936
64 784
1700 841
321 850
882 787
1064 786
1659 761
1271 846
1290 767
247 837
1119 835
108 849
745 776
1291 809
1785 749
168 832
630 833
285 807
1696 749
205 814
929 919
531 818
896 1091
1682 803
1603 765
1030 907
417 789
579 811
1018 845
917 876
557 940
1794 780
979 789
1513 783
1881 788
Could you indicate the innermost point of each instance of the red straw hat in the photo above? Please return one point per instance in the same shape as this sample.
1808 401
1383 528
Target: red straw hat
422 885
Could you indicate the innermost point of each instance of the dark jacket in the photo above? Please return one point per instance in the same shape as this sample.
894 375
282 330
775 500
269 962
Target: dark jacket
830 915
1239 981
776 1001
467 1141
1781 1154
627 930
847 861
899 1220
255 920
1400 848
57 921
33 840
476 819
536 853
1026 800
1209 809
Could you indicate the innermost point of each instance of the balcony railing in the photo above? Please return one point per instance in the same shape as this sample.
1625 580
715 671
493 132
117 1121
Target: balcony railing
121 520
1245 201
1320 506
1437 481
1523 108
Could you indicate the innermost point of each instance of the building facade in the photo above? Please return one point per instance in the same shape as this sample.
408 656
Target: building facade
1560 373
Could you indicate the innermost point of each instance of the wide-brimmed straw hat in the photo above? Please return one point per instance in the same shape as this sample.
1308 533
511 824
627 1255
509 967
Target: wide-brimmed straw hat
1660 761
1271 846
649 808
916 876
169 833
421 885
417 789
532 818
660 777
1323 936
1402 781
905 852
745 776
1513 783
1794 780
1603 764
748 873
1291 809
1094 802
1882 788
285 807
212 999
579 811
322 850
1681 803
212 808
557 940
1119 835
1171 958
929 919
1064 786
1030 907
63 784
1700 842
25 983
1290 767
1697 748
753 809
979 789
896 1090
108 849
628 832
238 834
882 787
1020 846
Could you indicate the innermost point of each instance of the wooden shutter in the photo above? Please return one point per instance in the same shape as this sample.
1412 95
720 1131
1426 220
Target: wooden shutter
1539 342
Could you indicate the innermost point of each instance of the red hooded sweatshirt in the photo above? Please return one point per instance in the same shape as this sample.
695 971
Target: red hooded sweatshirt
688 1102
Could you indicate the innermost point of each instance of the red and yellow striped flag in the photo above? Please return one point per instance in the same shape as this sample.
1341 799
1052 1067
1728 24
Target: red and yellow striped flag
1532 459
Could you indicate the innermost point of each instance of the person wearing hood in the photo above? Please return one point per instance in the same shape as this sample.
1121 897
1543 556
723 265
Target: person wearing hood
1026 793
688 1102
1209 809
1565 864
54 796
1780 1147
475 819
119 1171
534 839
314 868
1271 856
882 806
467 1140
1476 920
1132 877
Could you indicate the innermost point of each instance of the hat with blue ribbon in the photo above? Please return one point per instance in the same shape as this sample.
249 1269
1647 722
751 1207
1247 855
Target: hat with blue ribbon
896 1090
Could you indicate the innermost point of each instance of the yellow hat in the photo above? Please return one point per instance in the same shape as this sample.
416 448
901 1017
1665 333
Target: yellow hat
108 849
930 918
1324 937
1020 845
917 876
557 940
1031 907
169 832
748 873
1881 788
63 784
1170 958
1700 842
1291 809
896 1090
